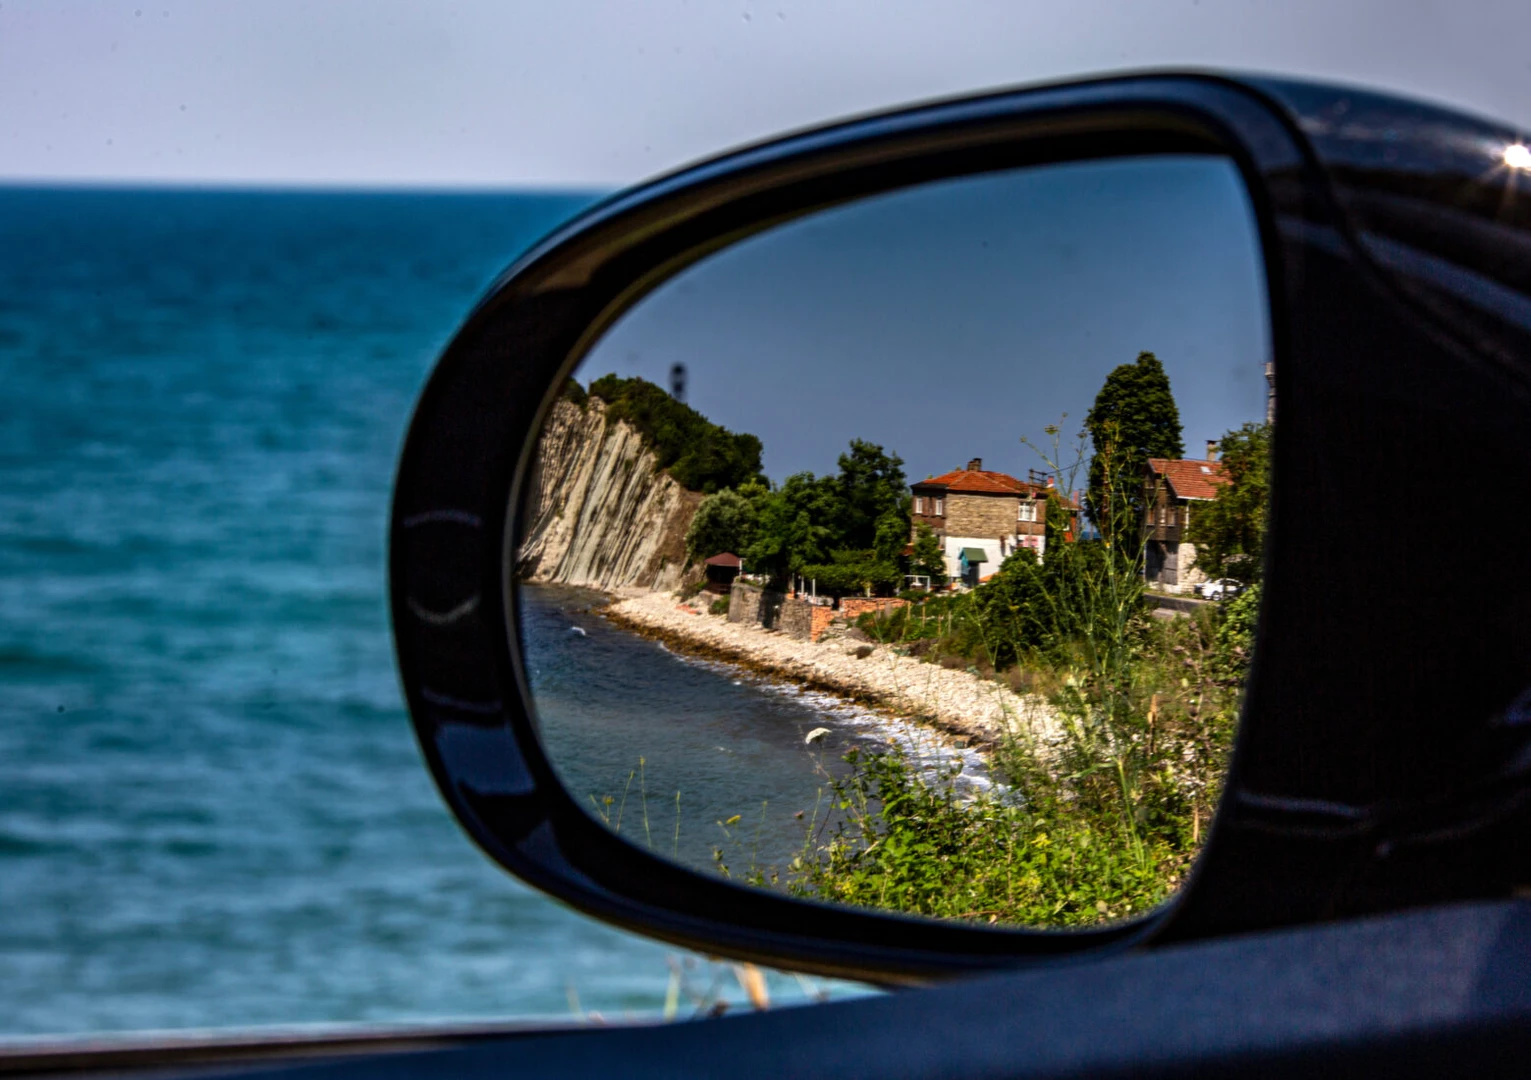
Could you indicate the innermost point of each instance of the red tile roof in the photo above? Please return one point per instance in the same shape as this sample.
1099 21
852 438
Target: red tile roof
1189 478
726 558
980 482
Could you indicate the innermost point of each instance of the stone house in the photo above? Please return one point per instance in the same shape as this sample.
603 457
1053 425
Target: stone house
1173 489
980 517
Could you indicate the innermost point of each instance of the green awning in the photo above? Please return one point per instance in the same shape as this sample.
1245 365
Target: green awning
973 555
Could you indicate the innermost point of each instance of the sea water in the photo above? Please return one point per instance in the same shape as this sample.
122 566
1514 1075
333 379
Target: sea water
708 763
212 809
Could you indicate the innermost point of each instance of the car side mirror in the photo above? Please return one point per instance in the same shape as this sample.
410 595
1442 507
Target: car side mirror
653 400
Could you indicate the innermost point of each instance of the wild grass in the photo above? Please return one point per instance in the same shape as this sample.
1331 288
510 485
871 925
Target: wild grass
1098 819
1103 820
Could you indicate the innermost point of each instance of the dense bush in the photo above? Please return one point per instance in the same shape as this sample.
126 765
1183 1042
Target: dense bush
724 522
853 573
809 521
574 393
699 454
913 843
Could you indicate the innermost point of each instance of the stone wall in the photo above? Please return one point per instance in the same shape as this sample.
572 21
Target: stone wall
1172 565
752 605
796 618
853 607
1190 573
793 616
981 515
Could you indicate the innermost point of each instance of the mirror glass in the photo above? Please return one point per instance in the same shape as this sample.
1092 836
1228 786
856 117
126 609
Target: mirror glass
907 555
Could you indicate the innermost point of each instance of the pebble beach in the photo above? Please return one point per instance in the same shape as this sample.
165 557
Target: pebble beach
966 708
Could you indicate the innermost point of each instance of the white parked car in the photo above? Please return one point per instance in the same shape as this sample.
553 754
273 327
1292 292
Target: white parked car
1221 589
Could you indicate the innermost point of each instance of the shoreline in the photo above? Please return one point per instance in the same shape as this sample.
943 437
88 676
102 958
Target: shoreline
977 713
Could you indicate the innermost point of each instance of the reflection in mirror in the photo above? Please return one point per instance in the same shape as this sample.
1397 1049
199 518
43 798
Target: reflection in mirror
929 583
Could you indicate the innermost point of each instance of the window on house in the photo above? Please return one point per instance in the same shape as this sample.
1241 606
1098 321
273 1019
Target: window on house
1027 511
1161 514
940 507
919 504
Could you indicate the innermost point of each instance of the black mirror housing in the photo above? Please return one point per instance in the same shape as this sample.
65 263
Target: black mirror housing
1381 761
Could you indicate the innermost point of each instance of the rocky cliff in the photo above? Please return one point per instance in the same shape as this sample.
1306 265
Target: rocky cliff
604 515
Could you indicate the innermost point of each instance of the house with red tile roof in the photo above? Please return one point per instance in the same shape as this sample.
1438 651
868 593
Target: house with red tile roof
980 517
1174 489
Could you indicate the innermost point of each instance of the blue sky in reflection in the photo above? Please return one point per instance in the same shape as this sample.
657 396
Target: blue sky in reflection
948 320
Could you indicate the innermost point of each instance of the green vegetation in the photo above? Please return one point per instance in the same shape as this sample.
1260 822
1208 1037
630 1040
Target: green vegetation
927 557
725 521
699 454
846 530
1098 816
1101 818
1229 532
850 571
1133 419
1103 825
574 393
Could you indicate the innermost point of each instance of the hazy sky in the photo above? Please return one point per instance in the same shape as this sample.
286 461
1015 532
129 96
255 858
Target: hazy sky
494 93
947 321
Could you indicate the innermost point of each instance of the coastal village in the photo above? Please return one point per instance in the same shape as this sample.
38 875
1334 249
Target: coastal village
610 519
980 517
992 611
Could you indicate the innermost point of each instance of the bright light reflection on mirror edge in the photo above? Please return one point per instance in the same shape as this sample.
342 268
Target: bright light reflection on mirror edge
906 555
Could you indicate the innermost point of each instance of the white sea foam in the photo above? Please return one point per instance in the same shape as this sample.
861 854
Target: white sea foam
853 724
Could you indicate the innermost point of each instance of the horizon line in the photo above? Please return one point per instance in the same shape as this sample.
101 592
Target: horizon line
337 187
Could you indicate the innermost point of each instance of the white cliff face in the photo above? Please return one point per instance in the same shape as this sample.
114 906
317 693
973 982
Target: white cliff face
604 515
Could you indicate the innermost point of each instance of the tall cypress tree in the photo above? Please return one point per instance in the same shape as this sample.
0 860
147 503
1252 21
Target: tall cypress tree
1133 419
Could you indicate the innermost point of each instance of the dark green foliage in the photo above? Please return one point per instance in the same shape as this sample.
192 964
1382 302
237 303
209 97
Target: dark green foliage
911 843
864 508
853 572
719 606
699 454
794 526
872 489
1229 532
1013 610
927 558
1235 642
1133 419
724 521
575 393
892 534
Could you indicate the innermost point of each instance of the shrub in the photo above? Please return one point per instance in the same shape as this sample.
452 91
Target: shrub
699 454
913 843
724 521
719 606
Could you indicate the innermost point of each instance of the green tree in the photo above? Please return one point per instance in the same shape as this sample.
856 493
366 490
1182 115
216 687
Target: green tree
862 508
1229 531
723 522
699 454
1013 609
852 571
1133 419
872 486
892 533
928 557
793 525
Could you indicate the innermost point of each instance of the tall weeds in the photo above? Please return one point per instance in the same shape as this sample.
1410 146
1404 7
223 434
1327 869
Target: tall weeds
1102 820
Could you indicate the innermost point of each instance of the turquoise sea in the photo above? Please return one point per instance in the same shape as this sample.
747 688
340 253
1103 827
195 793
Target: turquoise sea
212 809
